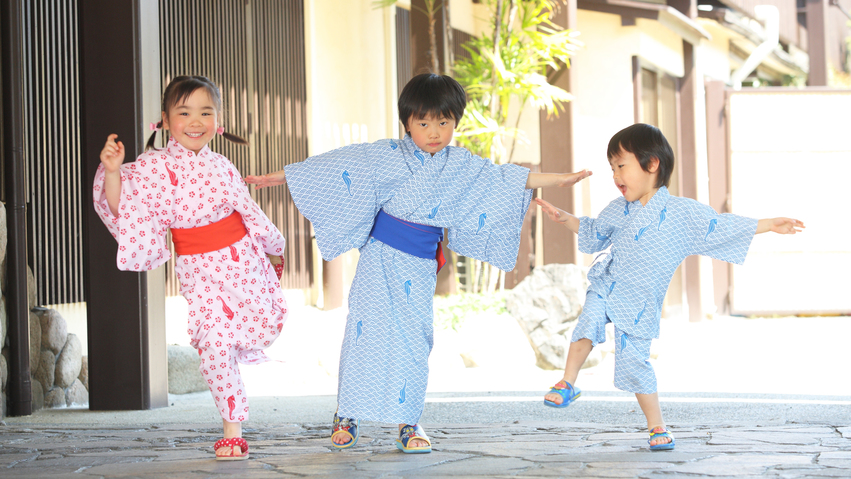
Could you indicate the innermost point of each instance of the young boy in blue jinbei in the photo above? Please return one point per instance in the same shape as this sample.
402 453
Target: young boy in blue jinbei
650 233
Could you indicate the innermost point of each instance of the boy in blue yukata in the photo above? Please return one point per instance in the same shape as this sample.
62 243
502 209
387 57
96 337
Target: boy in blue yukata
392 199
650 232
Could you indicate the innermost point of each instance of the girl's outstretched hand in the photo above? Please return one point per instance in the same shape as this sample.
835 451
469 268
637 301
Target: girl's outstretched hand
570 179
271 179
112 155
786 226
554 213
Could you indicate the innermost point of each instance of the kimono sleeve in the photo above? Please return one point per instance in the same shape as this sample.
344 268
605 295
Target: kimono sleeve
595 234
145 212
725 237
490 204
336 191
259 226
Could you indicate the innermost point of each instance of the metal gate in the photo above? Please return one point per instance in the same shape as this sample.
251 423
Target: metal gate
789 155
254 51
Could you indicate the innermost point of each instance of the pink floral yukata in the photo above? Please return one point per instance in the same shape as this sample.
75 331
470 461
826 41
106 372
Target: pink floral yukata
236 306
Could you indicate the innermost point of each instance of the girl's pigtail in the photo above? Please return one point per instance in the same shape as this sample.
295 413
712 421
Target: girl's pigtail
233 138
156 127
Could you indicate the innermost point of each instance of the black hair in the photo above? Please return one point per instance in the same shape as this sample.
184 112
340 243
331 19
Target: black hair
645 142
432 94
179 90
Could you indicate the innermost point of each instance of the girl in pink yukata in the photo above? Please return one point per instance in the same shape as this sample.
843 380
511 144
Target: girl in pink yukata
225 245
649 233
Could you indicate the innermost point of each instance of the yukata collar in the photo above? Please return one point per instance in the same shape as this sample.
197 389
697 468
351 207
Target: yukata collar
419 156
655 206
176 150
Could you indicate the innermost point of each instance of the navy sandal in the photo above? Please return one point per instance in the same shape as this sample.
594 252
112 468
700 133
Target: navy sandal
409 433
349 427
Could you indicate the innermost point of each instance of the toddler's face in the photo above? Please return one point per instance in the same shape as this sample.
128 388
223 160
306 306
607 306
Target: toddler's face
633 182
193 123
431 134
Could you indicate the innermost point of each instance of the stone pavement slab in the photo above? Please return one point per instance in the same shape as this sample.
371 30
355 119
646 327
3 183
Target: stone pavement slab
519 449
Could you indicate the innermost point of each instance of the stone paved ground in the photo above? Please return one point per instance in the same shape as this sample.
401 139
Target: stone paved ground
521 449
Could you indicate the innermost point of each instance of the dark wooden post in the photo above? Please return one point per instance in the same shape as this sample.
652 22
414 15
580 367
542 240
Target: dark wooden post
123 372
20 380
557 157
716 149
817 15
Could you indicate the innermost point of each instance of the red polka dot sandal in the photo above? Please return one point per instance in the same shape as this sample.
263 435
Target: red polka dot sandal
234 441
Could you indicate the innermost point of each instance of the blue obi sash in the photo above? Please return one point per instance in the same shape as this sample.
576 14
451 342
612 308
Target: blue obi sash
418 240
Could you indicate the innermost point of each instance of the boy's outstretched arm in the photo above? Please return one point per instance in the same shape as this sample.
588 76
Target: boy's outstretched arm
783 226
269 179
559 216
543 180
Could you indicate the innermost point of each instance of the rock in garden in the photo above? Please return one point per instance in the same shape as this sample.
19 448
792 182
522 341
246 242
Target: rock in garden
31 291
46 369
38 396
546 304
35 342
4 372
54 329
69 362
76 395
84 373
183 370
54 398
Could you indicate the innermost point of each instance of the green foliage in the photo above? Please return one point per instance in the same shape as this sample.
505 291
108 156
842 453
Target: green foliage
450 310
511 62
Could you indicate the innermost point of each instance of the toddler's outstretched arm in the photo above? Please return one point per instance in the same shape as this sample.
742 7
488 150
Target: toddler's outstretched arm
112 156
269 179
781 225
559 216
544 180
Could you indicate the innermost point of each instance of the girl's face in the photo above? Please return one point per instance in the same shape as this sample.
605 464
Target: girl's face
431 134
194 122
633 182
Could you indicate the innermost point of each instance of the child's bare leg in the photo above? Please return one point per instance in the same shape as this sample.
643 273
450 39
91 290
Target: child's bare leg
231 429
650 407
576 356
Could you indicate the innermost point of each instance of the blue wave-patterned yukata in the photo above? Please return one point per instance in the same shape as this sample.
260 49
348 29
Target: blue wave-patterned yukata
629 284
388 337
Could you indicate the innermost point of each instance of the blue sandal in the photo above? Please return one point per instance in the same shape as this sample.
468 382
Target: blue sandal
568 393
349 427
658 432
407 434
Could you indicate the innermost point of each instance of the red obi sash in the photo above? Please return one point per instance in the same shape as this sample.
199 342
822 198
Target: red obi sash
212 237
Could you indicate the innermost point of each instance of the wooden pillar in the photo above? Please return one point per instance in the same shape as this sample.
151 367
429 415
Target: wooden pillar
20 381
557 157
688 165
817 15
716 149
127 364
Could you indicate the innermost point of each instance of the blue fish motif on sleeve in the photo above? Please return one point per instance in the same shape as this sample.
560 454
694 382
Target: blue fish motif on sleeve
712 224
359 333
662 215
601 237
348 181
623 341
408 291
641 232
626 210
402 392
393 145
641 313
482 218
612 287
434 210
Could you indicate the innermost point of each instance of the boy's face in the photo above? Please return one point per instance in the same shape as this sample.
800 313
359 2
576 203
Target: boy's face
633 182
193 123
431 134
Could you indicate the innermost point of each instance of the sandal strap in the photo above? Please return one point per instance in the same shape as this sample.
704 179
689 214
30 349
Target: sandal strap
231 442
412 431
660 432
